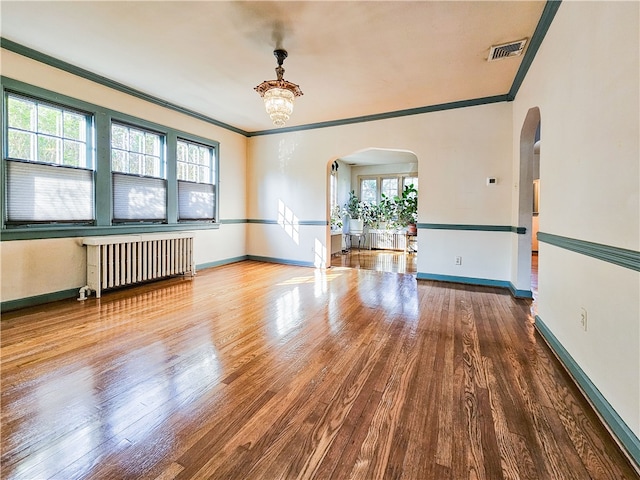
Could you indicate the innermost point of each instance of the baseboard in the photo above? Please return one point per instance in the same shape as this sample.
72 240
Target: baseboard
485 282
219 263
73 293
283 261
38 299
618 428
519 293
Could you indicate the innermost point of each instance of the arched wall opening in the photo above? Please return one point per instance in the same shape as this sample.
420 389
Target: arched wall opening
529 170
342 177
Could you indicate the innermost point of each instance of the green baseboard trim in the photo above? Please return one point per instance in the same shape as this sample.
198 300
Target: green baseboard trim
465 280
519 293
478 228
219 263
39 299
485 282
616 255
74 292
616 425
283 261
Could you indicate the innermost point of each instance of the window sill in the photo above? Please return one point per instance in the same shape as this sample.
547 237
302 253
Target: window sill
58 231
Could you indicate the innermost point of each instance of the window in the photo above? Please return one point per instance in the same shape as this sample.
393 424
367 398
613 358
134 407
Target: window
196 181
139 187
49 163
389 186
369 190
71 168
135 151
406 181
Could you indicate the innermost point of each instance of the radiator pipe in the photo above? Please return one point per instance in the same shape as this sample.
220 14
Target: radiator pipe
84 291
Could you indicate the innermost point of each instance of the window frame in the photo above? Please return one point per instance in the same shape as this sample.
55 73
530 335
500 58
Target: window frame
400 177
333 190
100 139
89 166
145 127
213 176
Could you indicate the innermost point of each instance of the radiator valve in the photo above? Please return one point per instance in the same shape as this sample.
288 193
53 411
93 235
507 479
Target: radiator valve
84 291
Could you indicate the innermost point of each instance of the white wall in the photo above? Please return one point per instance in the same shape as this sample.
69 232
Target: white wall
585 81
456 151
30 267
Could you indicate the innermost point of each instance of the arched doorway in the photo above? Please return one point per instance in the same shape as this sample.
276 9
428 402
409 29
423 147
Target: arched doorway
529 171
369 173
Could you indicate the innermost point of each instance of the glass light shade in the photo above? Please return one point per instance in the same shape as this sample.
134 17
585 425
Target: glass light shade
279 105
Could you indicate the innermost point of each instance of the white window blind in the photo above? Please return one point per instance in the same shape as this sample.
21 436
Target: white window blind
138 198
48 193
196 188
196 201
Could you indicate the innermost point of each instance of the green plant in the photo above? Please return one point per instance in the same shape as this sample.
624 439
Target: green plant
387 210
407 206
369 214
353 207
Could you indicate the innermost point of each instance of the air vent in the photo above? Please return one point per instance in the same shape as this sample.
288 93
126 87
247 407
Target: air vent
511 49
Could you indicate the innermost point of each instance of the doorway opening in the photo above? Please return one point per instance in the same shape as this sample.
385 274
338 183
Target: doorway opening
379 189
529 202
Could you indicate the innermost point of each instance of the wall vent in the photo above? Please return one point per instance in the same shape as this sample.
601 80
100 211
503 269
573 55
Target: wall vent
506 50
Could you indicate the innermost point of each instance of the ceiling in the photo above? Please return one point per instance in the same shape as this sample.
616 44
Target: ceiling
351 59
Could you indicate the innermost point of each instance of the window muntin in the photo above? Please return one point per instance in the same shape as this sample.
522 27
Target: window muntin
196 181
42 132
389 186
136 151
195 162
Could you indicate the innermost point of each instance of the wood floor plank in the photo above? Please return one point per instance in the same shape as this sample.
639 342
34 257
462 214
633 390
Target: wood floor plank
265 371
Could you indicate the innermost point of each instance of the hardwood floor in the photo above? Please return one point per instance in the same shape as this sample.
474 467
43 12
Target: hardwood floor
378 260
264 371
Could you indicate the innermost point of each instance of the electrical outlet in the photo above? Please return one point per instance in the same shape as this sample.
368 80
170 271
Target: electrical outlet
458 261
583 318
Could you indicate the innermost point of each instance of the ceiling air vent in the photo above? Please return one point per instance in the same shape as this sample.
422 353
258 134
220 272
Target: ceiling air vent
511 49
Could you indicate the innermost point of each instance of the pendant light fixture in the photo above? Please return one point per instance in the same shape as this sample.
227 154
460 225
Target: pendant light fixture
278 95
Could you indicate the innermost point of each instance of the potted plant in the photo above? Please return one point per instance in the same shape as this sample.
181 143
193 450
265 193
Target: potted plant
408 208
354 208
387 211
369 213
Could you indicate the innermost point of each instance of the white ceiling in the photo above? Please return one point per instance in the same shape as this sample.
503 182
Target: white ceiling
351 58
